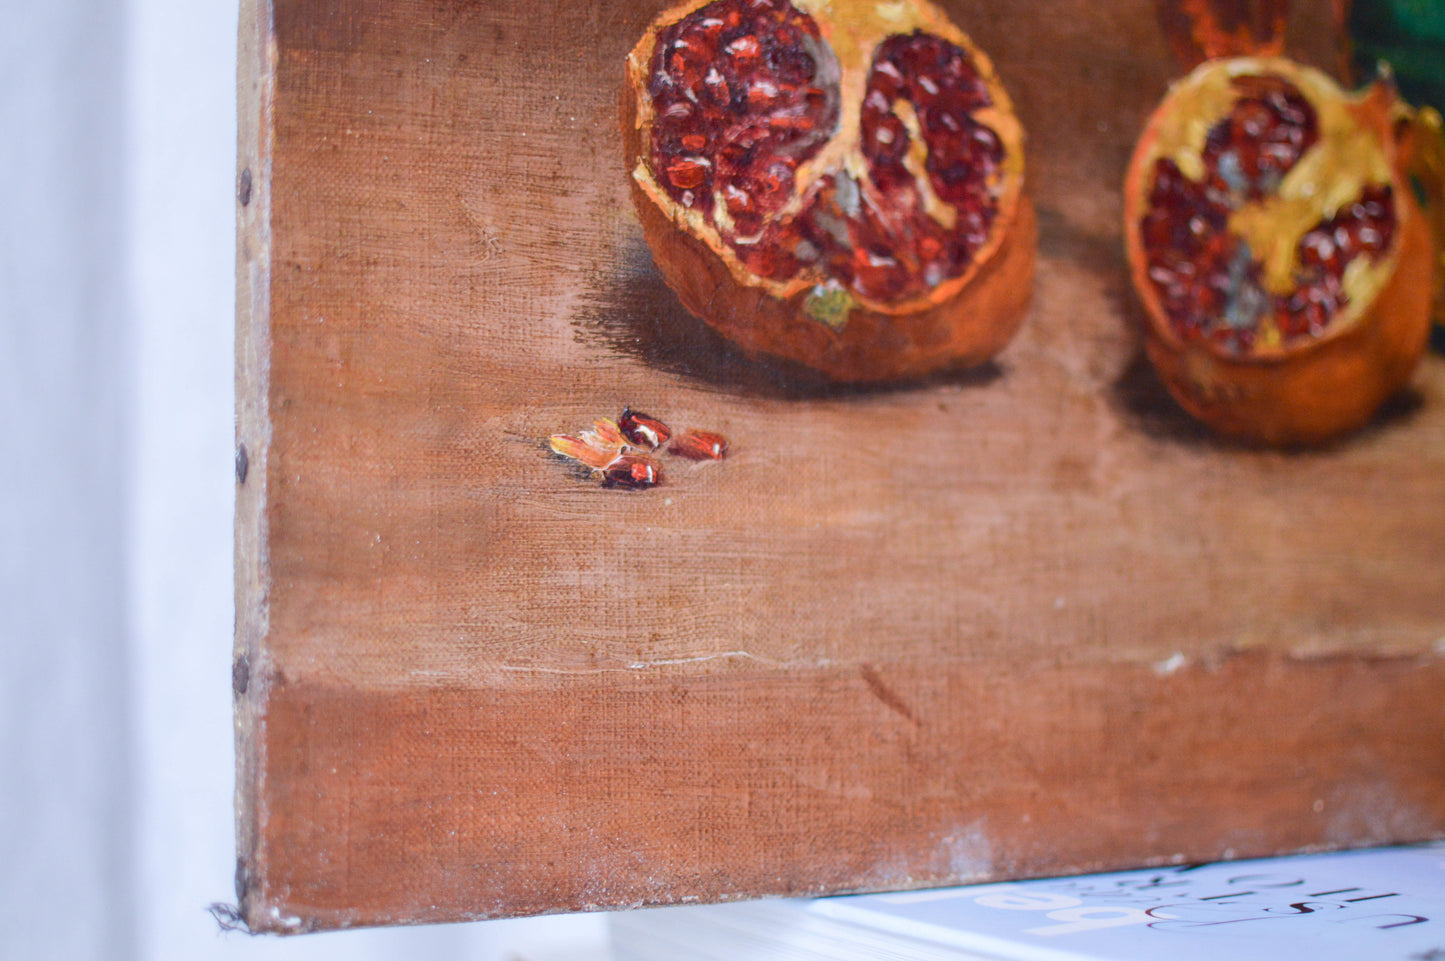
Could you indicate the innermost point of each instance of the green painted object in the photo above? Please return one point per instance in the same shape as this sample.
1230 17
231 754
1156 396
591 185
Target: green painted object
1410 36
1423 19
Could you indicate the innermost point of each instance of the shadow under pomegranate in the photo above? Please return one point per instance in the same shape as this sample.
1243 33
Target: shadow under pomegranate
1146 404
637 315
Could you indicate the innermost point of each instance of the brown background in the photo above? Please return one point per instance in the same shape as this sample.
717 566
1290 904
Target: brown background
1027 619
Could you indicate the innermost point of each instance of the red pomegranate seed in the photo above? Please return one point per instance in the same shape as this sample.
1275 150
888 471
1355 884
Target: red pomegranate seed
717 87
738 201
744 49
787 122
887 79
633 471
699 445
643 431
763 95
688 172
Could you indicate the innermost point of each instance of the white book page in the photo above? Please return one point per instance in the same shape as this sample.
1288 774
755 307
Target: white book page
1380 905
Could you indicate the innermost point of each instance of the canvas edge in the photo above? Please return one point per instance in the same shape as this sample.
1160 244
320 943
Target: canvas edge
256 73
1319 787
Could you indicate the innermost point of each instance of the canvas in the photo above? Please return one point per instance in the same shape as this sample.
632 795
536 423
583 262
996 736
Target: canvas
1017 618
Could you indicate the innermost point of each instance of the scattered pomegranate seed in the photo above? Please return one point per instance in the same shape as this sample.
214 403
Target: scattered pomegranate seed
699 445
642 431
604 433
619 453
592 455
632 471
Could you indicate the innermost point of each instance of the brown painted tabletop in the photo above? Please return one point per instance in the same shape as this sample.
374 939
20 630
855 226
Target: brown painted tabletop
1026 619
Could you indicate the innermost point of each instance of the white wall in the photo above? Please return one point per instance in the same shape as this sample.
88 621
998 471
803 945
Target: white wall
65 773
116 474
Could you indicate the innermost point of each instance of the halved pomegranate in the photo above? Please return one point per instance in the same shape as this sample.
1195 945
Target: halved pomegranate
838 183
1284 265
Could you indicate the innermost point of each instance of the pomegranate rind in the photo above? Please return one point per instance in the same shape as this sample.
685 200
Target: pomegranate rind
963 321
1310 390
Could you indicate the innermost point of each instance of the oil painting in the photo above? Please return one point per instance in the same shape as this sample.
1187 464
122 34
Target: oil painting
777 447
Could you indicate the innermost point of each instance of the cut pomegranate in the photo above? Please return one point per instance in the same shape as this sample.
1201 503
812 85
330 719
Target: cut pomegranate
832 182
1275 243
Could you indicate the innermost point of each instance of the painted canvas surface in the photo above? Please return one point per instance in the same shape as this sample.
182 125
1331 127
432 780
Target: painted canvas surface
554 595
